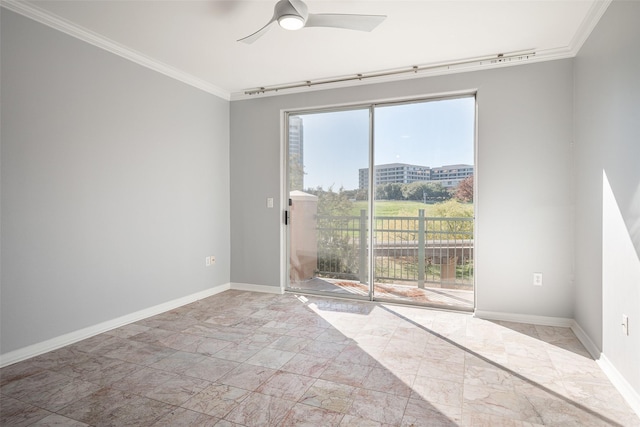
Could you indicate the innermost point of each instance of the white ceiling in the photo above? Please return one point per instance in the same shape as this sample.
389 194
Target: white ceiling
196 40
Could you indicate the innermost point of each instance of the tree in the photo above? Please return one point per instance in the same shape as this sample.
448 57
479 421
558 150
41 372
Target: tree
464 192
337 254
390 191
350 194
362 194
332 203
456 228
425 191
452 209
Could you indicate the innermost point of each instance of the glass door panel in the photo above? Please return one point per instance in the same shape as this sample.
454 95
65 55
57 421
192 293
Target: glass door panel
328 202
423 202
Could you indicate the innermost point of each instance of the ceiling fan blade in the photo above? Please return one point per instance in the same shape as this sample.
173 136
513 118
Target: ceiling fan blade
348 22
255 36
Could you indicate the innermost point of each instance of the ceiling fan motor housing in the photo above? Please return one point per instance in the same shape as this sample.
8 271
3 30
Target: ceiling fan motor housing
290 16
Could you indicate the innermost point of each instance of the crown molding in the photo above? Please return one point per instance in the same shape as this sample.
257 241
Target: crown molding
598 8
49 19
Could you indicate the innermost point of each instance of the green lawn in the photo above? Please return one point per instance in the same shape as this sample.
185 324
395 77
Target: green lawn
393 208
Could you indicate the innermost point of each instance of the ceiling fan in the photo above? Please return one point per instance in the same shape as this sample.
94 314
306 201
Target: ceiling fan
293 15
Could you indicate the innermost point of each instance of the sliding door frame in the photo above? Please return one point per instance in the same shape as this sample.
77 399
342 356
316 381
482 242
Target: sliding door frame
371 106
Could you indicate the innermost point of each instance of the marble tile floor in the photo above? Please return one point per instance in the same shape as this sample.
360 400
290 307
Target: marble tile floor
251 359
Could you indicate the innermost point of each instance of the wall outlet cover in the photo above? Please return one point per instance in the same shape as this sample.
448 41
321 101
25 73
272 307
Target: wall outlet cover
537 279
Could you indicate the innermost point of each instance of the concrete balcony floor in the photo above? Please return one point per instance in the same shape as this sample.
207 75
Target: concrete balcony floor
432 294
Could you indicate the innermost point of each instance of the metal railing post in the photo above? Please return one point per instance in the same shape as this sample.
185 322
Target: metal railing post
363 246
421 248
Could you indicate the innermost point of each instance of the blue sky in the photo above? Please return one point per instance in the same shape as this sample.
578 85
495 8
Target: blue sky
434 133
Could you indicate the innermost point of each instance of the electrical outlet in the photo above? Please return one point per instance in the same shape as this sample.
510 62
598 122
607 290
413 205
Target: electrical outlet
625 324
207 261
537 279
269 202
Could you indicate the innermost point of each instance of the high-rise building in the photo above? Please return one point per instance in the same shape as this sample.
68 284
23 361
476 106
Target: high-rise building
296 153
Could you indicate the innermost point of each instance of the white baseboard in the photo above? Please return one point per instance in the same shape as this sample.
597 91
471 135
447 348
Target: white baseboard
586 341
626 390
524 318
73 337
257 288
562 322
620 383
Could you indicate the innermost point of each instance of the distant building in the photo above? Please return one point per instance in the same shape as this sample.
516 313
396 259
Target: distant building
394 172
448 176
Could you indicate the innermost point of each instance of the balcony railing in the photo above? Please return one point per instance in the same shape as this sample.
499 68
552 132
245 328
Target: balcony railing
433 250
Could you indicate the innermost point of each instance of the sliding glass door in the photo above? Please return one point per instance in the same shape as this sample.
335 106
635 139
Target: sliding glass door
423 223
328 213
412 165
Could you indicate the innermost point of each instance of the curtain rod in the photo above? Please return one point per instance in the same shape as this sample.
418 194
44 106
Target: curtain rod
501 57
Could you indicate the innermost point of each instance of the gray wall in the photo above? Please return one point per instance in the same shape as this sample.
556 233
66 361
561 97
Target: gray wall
115 186
607 125
523 176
